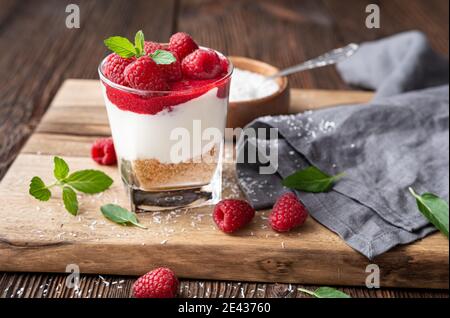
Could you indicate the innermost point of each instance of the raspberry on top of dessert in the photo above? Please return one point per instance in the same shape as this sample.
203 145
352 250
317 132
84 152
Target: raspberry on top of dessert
148 77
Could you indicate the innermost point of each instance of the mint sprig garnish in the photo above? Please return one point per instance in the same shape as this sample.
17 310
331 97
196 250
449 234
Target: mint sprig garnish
434 209
325 292
139 43
311 179
124 48
119 215
163 57
85 181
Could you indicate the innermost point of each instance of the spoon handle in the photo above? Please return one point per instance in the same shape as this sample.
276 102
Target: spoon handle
329 58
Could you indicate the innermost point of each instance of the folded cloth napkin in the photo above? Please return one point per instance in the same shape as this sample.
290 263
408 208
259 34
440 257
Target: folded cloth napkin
396 64
395 142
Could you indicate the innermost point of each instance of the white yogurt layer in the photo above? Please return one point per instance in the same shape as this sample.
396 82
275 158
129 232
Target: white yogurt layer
246 85
143 136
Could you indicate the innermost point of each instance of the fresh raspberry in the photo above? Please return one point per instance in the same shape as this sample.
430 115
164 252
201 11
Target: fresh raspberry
150 47
145 74
159 283
182 44
114 68
202 64
230 215
287 213
103 152
224 64
172 72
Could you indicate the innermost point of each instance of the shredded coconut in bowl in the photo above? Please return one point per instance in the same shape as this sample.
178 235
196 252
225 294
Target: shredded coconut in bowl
246 85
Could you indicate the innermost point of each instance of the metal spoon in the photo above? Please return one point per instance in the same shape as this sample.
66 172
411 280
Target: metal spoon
329 58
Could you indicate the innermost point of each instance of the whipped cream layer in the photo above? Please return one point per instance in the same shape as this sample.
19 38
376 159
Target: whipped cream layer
145 136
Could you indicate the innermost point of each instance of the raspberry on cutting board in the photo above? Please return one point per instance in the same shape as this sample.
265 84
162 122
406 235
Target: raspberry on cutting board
159 283
230 215
103 152
287 213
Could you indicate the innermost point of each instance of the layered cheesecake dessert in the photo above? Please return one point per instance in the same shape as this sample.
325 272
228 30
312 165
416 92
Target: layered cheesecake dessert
163 100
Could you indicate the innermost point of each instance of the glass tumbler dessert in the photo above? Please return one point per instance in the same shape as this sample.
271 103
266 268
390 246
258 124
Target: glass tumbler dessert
169 144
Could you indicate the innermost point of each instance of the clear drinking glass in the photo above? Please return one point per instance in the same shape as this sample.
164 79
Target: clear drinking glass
169 144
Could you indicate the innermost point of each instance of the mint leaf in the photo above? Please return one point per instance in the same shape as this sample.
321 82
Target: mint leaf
39 190
163 57
61 169
325 292
328 292
434 209
120 45
89 181
311 179
139 43
119 215
70 200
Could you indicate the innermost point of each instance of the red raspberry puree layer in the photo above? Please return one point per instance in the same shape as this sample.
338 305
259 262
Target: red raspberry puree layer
180 93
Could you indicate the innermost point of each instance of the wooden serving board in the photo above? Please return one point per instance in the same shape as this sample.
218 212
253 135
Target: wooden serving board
42 237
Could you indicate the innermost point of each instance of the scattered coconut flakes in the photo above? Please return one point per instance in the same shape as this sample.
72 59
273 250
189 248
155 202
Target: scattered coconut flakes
103 280
20 291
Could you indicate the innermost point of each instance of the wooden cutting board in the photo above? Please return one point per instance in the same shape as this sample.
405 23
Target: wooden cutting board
42 237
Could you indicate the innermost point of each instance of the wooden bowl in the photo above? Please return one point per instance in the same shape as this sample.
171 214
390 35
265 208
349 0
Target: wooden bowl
242 113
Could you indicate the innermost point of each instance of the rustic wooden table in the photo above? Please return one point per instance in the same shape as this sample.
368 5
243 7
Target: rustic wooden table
39 52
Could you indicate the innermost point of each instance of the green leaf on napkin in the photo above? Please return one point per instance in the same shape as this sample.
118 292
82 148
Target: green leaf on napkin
325 292
434 209
311 179
120 215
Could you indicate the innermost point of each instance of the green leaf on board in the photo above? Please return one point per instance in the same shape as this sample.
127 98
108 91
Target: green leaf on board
119 215
61 169
70 200
39 190
325 292
89 181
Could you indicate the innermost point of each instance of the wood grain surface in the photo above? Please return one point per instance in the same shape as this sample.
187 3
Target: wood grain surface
279 32
311 254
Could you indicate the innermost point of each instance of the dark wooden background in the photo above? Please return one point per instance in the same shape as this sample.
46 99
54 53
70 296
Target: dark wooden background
39 52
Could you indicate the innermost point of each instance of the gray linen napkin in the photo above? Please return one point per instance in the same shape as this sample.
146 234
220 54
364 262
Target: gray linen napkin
396 64
384 147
